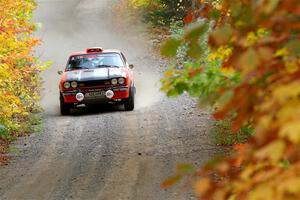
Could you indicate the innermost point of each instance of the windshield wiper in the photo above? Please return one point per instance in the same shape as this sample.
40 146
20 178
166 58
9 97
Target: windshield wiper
100 66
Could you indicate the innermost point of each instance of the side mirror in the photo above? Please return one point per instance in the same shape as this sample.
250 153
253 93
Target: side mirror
131 66
60 72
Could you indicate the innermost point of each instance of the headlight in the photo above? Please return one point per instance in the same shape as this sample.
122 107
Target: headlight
114 81
74 84
121 81
67 85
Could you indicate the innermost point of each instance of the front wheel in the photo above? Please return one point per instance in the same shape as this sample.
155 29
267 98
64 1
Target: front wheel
64 107
129 103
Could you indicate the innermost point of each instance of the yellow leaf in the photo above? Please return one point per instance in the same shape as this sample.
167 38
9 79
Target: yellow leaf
222 53
261 192
228 71
291 66
291 130
246 173
288 91
282 52
168 74
273 151
232 197
251 39
290 187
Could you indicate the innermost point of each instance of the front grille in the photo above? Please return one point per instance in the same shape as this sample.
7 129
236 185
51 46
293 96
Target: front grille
94 83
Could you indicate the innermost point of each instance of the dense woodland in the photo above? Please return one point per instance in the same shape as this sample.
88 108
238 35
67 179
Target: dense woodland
241 60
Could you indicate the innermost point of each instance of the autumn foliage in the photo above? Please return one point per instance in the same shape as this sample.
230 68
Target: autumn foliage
159 12
263 38
19 69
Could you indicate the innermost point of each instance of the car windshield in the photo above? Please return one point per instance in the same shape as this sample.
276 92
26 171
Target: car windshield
93 61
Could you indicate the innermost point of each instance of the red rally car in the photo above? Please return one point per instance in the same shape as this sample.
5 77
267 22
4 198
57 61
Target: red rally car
96 76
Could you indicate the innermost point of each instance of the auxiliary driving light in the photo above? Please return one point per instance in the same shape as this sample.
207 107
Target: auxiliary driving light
109 94
79 96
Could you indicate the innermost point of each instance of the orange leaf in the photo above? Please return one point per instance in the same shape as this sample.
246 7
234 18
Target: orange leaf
219 115
170 182
202 186
189 18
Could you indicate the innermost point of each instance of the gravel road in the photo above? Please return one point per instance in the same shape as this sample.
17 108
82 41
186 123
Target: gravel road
104 153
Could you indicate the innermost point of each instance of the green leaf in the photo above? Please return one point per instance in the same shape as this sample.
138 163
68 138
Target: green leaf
195 33
3 132
181 87
285 164
172 93
195 51
294 47
185 168
169 48
215 14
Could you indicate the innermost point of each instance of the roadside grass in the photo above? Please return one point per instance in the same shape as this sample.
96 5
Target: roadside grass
222 134
14 150
36 124
33 124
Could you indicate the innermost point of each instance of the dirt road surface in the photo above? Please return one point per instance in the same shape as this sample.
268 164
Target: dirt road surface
106 153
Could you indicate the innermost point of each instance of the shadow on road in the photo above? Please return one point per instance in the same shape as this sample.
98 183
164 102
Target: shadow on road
96 109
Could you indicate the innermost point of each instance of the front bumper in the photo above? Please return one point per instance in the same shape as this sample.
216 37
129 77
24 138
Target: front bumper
119 94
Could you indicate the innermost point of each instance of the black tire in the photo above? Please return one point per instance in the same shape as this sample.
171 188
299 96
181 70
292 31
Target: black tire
129 103
64 107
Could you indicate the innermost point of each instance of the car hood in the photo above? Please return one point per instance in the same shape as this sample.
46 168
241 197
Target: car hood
94 74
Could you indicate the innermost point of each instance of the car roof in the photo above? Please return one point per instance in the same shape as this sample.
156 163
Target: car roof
104 51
